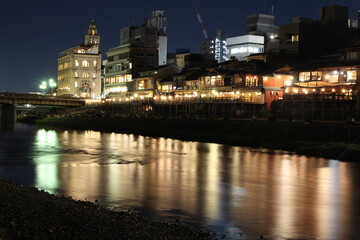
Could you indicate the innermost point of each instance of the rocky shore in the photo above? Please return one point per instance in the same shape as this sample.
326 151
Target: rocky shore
27 213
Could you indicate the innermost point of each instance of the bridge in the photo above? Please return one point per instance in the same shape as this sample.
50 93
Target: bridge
8 103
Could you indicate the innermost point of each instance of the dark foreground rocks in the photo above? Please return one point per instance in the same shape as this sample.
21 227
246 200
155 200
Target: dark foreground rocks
27 213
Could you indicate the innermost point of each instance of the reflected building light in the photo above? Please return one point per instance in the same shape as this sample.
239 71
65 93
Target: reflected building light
46 160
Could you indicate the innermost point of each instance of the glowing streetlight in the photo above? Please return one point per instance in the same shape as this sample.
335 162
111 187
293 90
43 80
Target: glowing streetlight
43 86
52 84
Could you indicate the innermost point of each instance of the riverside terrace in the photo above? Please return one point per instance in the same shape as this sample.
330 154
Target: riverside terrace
8 103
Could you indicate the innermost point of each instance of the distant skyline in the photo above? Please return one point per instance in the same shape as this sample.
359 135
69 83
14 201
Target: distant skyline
35 32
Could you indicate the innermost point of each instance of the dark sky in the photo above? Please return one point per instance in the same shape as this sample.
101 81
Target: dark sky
34 32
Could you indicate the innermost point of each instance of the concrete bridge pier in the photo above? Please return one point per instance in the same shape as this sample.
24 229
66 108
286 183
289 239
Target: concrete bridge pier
7 114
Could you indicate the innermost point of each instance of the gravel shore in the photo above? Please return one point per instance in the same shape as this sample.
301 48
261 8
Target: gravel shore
28 213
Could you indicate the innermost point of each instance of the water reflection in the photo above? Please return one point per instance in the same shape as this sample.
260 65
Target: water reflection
232 190
46 160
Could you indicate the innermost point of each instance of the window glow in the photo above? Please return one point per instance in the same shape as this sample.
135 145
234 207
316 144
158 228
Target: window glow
245 50
288 83
85 64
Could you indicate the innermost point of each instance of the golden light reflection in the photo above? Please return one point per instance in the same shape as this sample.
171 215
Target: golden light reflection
271 193
46 160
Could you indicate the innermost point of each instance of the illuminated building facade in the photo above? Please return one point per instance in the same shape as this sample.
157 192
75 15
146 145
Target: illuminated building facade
215 48
79 68
242 46
148 83
141 48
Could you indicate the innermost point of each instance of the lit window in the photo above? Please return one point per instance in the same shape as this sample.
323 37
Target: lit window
351 75
304 76
95 64
85 75
85 64
76 84
76 74
94 75
295 38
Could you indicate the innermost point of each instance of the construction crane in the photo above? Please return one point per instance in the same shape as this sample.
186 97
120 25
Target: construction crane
201 23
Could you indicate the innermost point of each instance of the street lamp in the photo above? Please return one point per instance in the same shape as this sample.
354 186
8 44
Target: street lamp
52 84
43 86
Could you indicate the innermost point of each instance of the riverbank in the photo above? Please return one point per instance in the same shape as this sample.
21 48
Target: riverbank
27 213
322 139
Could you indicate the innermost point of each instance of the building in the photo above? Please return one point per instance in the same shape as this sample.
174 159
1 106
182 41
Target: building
311 39
215 48
79 68
148 83
264 25
242 46
207 48
141 48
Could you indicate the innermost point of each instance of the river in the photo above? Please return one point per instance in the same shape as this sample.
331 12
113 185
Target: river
242 193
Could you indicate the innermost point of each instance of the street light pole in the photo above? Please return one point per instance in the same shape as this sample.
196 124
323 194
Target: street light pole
43 86
52 85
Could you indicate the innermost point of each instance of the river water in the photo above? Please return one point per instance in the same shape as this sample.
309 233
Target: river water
242 193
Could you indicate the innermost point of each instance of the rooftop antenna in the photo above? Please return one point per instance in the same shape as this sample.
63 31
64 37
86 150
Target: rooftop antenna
201 23
272 10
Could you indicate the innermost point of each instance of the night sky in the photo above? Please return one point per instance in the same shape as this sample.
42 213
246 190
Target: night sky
34 32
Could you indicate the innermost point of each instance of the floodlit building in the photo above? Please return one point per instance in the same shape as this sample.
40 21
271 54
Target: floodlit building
79 68
242 46
214 48
140 49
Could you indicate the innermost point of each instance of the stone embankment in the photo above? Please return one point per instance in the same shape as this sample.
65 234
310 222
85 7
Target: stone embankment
27 213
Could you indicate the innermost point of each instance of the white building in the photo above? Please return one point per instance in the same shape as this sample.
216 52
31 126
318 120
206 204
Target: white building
243 46
79 68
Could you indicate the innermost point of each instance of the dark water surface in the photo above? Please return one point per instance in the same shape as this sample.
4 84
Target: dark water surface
240 192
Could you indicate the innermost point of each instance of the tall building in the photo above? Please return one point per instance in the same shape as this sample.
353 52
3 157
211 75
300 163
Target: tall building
214 49
264 25
140 48
207 48
334 15
310 38
79 68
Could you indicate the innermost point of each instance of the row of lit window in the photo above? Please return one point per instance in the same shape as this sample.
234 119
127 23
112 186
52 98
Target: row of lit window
85 64
64 66
214 81
84 75
118 79
93 85
332 76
